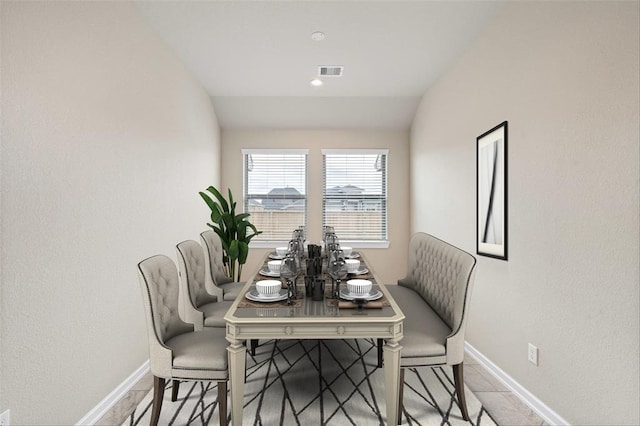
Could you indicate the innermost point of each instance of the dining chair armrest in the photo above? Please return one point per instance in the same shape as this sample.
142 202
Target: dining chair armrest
407 282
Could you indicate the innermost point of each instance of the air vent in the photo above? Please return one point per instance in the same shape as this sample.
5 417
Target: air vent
330 70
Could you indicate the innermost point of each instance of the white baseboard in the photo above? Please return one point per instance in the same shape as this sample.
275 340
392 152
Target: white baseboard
539 407
112 399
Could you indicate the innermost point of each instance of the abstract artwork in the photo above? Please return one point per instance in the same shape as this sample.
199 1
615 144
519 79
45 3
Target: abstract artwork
491 196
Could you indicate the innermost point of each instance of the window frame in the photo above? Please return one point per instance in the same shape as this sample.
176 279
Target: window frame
257 242
360 243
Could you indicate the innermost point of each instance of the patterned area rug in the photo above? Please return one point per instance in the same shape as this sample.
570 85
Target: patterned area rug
319 382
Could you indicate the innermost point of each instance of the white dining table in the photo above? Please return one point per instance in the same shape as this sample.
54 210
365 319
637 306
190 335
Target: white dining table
308 319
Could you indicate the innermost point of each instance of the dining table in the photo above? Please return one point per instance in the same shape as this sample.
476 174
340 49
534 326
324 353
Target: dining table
302 317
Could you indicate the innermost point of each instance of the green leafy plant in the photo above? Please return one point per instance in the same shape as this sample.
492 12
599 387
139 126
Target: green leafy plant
234 230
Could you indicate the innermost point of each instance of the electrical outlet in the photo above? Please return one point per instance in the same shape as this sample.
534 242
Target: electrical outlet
5 420
532 354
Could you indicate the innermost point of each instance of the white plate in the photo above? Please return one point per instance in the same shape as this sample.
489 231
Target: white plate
361 270
353 255
273 255
267 273
257 297
373 295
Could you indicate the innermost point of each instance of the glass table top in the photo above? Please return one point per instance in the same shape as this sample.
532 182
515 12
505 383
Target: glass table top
307 308
304 307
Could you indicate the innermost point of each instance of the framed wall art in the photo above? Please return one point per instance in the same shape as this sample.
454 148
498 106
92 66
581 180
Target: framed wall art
491 192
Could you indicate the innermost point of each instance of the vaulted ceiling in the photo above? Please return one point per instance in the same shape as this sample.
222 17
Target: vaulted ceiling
256 58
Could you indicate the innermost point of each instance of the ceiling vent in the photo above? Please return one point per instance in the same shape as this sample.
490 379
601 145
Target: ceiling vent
330 70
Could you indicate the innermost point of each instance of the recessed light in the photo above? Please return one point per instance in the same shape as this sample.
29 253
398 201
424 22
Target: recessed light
317 36
316 82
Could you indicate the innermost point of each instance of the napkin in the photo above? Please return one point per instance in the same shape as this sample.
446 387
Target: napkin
346 304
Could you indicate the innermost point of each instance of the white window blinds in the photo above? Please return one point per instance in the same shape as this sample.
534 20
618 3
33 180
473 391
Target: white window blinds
275 191
355 194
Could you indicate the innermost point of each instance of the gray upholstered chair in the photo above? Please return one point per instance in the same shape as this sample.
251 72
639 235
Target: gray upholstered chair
198 306
218 283
434 335
176 351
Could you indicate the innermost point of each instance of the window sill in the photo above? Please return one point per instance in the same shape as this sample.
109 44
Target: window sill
268 244
359 244
356 244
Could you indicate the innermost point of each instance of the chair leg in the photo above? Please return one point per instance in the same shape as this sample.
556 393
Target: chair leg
380 358
401 396
222 402
174 390
158 393
458 379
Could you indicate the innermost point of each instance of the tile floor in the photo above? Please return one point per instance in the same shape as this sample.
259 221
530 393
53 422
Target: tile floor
119 413
504 407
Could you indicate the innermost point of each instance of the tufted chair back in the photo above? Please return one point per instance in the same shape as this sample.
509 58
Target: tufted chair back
159 283
442 274
213 249
193 268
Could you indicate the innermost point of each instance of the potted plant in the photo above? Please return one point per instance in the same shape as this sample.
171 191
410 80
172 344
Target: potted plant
234 230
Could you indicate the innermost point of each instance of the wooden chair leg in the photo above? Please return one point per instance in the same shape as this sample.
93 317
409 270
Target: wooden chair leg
158 393
222 402
458 378
401 396
174 390
380 358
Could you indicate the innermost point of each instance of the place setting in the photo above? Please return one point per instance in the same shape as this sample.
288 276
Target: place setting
279 253
267 291
270 294
349 253
360 294
288 269
359 290
354 267
271 269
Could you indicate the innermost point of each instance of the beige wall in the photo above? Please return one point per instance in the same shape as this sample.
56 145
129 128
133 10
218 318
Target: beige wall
565 75
389 263
106 140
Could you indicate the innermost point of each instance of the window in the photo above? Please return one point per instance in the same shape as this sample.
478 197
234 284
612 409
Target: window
355 194
275 191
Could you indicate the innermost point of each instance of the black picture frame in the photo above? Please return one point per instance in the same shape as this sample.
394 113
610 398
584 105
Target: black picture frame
491 192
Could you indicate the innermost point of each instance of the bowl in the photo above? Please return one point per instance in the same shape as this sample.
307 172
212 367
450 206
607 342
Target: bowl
274 265
268 287
352 265
346 251
281 251
359 287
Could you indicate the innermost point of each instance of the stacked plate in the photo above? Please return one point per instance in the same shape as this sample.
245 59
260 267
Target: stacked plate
373 295
268 273
272 269
279 253
257 297
361 270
